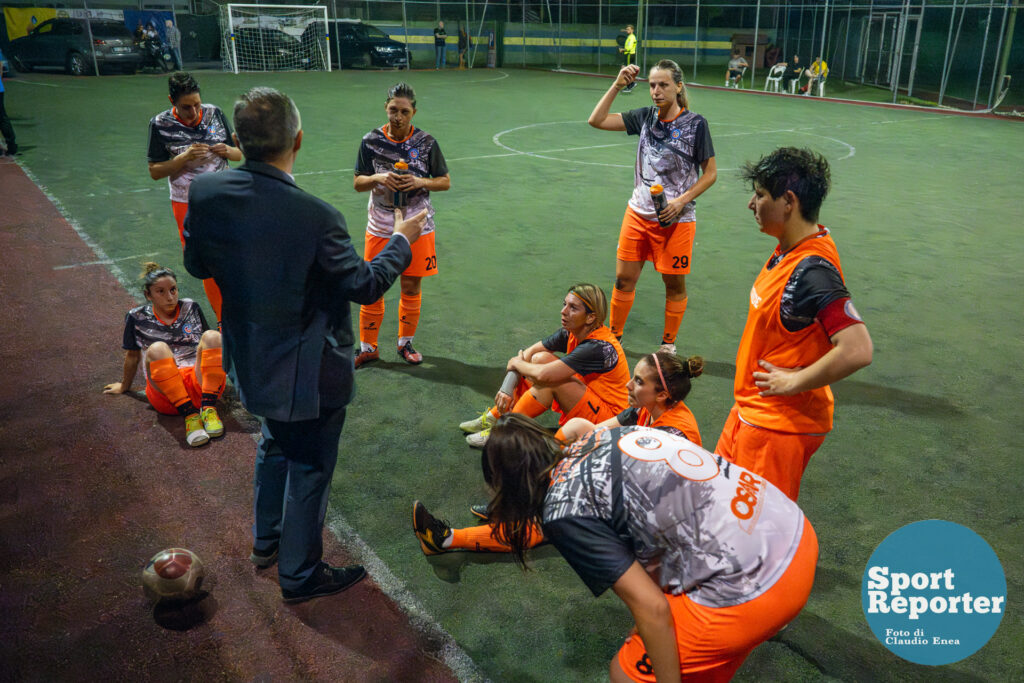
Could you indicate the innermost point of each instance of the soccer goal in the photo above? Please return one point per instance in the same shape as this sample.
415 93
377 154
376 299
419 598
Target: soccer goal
274 38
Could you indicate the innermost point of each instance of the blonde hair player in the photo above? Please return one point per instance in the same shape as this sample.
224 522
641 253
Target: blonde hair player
675 151
588 381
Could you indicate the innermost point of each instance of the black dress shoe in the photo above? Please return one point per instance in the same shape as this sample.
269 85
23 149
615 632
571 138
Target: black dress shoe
264 558
326 580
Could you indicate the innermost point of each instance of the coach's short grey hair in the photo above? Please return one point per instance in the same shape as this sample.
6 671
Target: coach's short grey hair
266 122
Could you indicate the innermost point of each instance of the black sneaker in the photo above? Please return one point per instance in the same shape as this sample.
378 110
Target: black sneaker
481 511
264 558
430 530
326 580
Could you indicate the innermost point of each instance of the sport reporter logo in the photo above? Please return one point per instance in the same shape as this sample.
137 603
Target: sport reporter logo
933 592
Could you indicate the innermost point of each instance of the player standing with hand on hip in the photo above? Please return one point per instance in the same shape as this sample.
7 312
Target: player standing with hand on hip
676 152
380 153
802 331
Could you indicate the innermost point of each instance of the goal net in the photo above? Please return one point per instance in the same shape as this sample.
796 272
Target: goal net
274 38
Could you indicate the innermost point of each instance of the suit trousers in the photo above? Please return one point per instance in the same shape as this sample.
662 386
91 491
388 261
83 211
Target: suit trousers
294 466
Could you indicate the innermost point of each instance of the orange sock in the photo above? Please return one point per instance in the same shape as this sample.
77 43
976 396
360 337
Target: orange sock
213 296
622 302
529 406
167 380
370 318
479 539
408 316
674 311
211 367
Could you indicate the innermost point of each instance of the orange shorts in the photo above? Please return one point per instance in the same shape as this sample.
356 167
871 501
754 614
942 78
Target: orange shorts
180 209
589 407
424 256
192 386
714 641
669 249
779 457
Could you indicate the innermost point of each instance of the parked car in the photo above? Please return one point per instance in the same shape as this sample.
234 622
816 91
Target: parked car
268 49
361 45
64 42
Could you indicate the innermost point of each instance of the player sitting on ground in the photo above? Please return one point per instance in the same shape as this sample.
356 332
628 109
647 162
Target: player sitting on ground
183 365
589 381
660 383
732 557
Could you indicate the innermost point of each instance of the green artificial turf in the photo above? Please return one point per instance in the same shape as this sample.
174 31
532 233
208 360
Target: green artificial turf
924 208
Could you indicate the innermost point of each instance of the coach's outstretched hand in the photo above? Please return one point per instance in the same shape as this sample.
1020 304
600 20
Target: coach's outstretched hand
410 227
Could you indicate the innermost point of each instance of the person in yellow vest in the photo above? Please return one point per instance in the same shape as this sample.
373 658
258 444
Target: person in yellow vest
818 71
628 51
802 331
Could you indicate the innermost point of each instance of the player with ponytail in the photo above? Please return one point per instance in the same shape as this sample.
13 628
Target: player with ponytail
182 358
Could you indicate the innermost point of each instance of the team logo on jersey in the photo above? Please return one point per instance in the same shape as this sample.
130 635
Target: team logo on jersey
675 133
414 153
187 329
852 312
755 298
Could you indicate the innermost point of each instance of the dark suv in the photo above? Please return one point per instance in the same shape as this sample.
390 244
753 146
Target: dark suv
361 45
64 42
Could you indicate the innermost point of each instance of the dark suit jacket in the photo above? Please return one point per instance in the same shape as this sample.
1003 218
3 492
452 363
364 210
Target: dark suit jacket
287 271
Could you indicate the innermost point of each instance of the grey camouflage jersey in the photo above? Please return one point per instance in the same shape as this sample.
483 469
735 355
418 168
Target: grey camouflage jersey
378 154
169 137
698 524
670 153
142 329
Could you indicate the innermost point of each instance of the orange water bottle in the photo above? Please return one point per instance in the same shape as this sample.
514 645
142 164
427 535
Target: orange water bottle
400 198
660 203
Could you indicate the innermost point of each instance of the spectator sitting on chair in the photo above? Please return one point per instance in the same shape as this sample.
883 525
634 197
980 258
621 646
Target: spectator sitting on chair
818 71
736 67
794 71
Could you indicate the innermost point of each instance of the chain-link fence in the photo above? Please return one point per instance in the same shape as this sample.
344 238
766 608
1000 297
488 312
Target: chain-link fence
955 52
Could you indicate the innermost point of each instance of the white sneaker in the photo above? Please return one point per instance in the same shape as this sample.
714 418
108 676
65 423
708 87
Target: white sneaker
668 348
479 440
484 421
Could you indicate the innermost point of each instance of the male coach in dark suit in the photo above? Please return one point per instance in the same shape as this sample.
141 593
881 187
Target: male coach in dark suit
287 271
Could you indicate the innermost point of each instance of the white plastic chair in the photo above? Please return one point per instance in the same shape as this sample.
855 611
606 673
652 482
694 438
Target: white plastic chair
774 79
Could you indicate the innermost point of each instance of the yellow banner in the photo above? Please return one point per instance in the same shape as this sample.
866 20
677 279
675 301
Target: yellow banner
21 20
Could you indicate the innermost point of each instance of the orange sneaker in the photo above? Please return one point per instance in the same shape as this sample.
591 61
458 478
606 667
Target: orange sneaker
364 357
409 354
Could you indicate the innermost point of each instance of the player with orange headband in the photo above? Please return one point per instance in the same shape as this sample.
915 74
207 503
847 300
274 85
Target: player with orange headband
589 381
676 152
